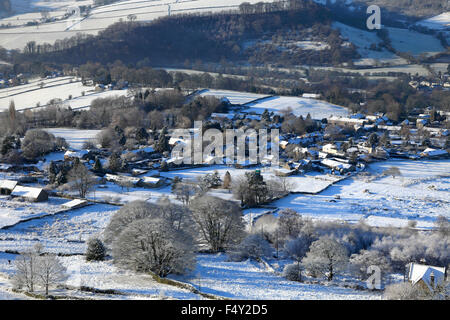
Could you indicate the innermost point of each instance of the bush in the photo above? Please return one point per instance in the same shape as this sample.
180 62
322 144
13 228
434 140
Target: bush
402 291
293 272
96 251
253 247
37 143
152 237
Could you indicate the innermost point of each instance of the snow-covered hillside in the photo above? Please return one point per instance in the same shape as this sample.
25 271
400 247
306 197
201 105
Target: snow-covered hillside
439 22
299 106
41 91
101 17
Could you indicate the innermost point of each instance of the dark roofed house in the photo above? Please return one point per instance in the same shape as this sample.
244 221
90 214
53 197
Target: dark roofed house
7 186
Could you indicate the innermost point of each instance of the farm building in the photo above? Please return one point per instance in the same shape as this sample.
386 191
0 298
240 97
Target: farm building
337 165
434 153
71 155
30 194
75 204
7 186
152 182
122 179
427 277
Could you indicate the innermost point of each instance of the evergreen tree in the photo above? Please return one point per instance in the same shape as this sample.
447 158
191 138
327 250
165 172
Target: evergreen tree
227 180
52 172
96 251
162 144
265 115
114 162
257 188
97 165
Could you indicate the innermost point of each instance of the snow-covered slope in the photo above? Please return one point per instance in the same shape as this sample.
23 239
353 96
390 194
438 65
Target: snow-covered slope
438 22
102 17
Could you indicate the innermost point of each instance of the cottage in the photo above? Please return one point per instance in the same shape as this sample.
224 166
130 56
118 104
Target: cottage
72 155
337 165
284 172
152 182
427 277
30 194
7 186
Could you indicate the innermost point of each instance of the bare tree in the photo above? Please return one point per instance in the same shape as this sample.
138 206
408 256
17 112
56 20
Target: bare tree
26 265
219 221
184 192
392 171
81 179
50 271
252 247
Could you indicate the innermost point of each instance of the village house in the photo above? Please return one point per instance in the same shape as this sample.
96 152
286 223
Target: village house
122 180
347 122
72 155
7 186
30 194
426 277
337 165
152 182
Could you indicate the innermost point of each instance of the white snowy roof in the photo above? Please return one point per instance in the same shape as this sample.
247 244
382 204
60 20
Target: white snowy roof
335 164
151 180
423 272
76 154
434 152
8 184
75 203
27 192
118 178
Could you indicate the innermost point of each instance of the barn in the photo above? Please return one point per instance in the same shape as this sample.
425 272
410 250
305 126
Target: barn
30 194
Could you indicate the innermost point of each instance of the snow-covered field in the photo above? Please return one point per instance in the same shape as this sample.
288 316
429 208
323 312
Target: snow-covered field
249 280
363 39
41 91
102 17
439 22
420 194
299 106
234 97
14 211
62 233
74 137
414 42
